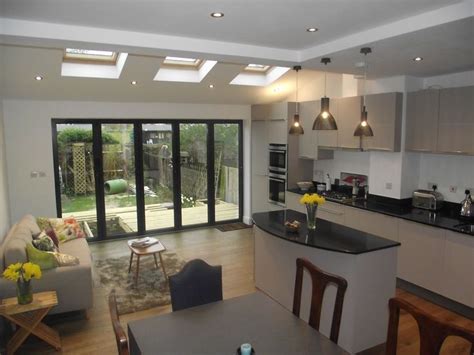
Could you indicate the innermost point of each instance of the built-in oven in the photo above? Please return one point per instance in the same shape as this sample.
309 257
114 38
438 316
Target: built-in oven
277 157
276 188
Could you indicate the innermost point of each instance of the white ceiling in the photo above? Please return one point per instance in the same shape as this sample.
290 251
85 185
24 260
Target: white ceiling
269 23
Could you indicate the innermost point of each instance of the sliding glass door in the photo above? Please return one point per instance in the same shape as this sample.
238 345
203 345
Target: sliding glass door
121 178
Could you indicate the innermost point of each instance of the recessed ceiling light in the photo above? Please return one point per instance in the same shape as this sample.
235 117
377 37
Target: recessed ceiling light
211 86
134 82
312 29
217 14
418 59
38 78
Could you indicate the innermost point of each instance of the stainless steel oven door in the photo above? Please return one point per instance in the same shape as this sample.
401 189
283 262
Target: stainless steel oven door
277 160
276 190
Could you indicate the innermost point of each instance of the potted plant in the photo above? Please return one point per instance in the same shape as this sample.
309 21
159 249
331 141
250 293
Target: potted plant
22 273
312 201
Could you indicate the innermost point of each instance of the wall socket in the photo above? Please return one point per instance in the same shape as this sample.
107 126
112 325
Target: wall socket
388 185
453 189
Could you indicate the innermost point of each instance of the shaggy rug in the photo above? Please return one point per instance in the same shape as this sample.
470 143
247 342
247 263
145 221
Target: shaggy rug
152 288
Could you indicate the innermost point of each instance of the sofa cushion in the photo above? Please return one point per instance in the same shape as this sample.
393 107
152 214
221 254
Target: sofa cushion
15 251
80 249
44 259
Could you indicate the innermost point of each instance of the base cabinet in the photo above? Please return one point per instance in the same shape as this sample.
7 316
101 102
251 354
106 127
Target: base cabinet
458 279
372 222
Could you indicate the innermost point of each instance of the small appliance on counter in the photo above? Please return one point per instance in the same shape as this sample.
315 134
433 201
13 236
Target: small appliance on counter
467 206
428 200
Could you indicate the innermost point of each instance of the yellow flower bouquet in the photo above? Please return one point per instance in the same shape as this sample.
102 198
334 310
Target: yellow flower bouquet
311 201
22 273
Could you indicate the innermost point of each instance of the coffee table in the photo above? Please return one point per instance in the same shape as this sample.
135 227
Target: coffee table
154 249
28 318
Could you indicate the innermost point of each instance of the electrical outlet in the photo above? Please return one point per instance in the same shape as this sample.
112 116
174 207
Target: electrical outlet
430 185
388 185
33 174
453 189
42 174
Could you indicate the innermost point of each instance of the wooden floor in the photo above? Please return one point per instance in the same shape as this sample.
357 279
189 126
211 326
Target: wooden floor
234 251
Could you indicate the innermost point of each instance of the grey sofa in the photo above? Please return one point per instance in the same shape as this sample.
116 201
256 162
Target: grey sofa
73 284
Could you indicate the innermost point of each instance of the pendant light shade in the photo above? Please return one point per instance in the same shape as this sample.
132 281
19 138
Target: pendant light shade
296 128
325 121
363 129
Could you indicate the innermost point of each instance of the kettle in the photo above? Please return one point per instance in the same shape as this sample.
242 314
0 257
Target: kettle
467 206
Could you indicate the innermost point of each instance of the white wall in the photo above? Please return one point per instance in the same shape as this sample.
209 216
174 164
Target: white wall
4 205
29 142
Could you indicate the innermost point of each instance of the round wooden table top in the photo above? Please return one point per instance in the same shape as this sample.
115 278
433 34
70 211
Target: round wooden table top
152 249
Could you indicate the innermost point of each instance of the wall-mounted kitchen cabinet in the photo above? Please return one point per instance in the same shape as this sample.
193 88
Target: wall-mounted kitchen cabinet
422 120
441 121
385 118
309 145
456 121
347 115
275 111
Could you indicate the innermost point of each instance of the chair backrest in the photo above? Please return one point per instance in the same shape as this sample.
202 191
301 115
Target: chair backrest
433 332
320 280
120 337
196 284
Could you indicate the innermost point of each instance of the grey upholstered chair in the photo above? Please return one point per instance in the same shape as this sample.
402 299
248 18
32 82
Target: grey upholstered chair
196 284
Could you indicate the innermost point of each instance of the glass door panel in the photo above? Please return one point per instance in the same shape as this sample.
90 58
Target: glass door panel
158 175
76 175
226 163
118 161
193 151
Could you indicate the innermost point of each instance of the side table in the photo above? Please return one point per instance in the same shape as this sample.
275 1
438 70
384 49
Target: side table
154 249
28 318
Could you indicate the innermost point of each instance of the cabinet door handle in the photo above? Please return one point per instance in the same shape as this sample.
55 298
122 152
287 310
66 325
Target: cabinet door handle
332 212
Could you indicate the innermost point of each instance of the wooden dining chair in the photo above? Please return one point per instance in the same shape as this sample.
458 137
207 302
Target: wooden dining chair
120 337
433 332
196 284
320 280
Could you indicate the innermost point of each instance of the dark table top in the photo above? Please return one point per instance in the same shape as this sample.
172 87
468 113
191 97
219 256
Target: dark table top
446 218
221 327
328 235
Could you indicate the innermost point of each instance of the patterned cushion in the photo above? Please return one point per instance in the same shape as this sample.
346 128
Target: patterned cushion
44 259
65 229
44 242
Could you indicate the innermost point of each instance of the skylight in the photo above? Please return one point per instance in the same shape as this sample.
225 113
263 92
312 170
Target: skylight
259 68
188 62
90 55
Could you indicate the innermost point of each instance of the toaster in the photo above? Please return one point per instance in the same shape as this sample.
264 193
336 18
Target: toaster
428 200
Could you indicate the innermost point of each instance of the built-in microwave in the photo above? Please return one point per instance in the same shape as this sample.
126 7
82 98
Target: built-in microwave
277 157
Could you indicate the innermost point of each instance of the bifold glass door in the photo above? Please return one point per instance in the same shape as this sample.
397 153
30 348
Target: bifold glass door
123 178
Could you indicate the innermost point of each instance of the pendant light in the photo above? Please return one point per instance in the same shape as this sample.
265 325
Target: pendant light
363 129
325 120
296 127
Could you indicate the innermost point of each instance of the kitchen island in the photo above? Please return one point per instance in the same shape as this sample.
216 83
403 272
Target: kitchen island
367 262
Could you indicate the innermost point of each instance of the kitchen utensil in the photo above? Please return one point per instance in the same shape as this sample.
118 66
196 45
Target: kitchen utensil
428 200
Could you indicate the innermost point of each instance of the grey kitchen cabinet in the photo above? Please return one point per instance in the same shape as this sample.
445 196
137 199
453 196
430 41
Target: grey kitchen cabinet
277 131
422 254
274 111
259 148
347 116
309 147
385 118
422 114
456 121
371 222
331 211
458 281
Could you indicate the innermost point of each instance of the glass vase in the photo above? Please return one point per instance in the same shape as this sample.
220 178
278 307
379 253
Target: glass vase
23 292
311 209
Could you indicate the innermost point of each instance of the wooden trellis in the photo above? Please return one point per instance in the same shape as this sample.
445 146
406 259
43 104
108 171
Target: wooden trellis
79 168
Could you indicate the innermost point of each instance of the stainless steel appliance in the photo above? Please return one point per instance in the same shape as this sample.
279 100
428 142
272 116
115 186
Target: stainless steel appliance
277 174
276 188
467 206
277 157
428 200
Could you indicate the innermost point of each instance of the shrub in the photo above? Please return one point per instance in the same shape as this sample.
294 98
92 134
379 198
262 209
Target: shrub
79 135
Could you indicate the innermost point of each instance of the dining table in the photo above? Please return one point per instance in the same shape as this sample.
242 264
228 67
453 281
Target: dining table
221 327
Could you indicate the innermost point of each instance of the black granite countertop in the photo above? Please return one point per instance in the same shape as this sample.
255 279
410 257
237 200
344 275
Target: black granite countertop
446 218
328 235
